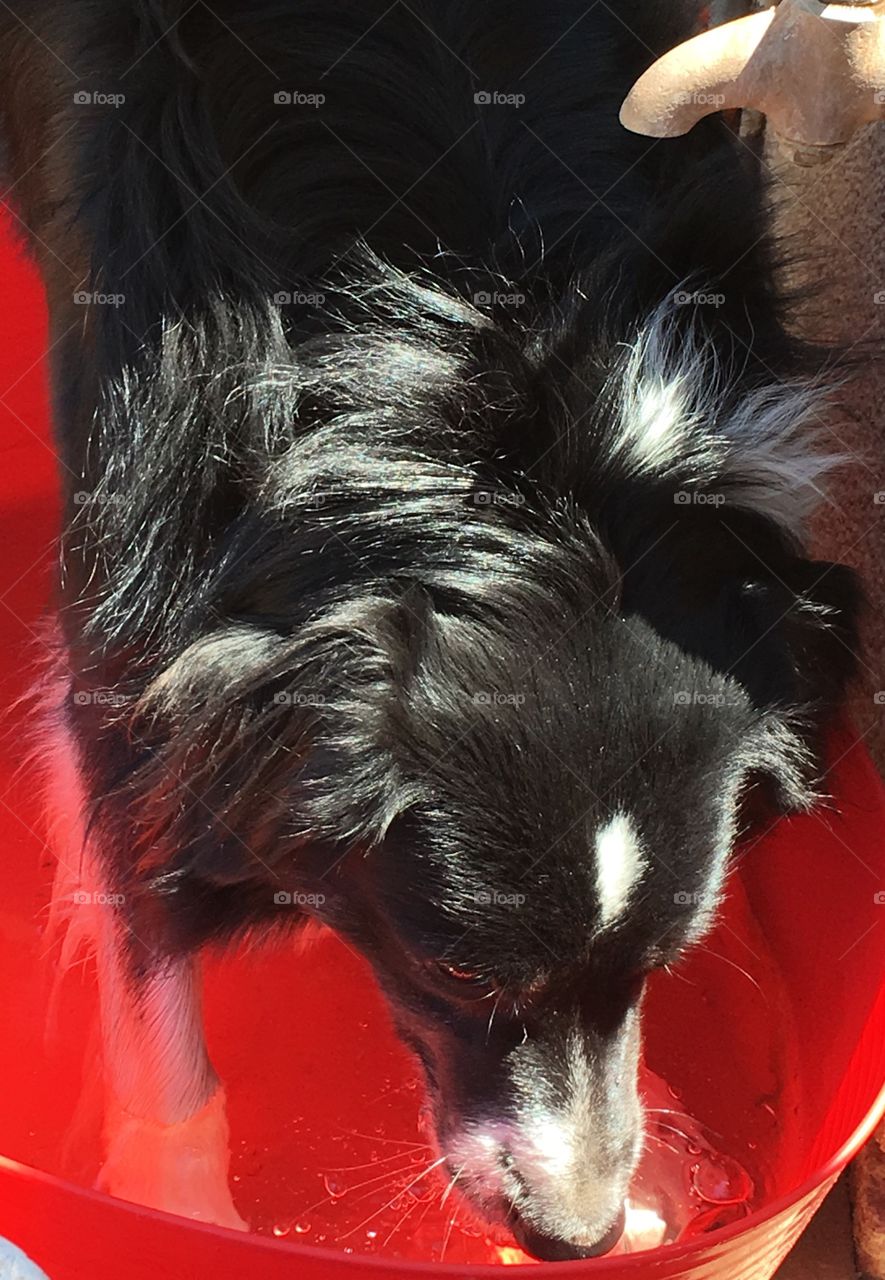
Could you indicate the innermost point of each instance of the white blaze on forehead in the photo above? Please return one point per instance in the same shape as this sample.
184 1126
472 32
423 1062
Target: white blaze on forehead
619 866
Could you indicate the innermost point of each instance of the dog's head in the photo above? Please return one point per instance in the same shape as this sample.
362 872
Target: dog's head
565 814
516 818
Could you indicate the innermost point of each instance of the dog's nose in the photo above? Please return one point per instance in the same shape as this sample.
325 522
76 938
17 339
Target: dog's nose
549 1249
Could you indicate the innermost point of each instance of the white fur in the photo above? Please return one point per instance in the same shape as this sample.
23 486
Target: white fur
165 1131
154 1051
619 867
76 921
559 1139
676 421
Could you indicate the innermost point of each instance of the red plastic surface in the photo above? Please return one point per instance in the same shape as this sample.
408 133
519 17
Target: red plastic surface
783 1011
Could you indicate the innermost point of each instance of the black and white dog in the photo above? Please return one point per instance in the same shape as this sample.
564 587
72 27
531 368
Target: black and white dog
435 465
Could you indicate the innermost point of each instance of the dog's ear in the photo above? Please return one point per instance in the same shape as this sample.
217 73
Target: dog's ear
715 470
740 595
219 723
262 742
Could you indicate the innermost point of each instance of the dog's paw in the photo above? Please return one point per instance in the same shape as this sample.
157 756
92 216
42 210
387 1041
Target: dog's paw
179 1168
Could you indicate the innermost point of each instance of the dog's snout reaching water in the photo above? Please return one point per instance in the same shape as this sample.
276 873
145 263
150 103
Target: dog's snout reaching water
402 1196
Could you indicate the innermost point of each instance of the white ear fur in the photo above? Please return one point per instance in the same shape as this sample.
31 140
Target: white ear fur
678 421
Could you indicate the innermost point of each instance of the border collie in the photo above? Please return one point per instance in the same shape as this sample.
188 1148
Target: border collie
435 464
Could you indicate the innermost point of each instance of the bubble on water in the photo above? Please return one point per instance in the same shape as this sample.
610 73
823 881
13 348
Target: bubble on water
721 1180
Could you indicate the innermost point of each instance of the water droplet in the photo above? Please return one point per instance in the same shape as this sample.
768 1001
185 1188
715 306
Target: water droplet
722 1181
371 1235
281 1230
333 1186
302 1228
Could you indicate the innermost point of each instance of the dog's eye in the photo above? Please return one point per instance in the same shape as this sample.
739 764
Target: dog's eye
462 976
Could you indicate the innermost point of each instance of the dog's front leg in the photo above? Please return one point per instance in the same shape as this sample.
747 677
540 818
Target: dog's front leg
166 1132
165 1127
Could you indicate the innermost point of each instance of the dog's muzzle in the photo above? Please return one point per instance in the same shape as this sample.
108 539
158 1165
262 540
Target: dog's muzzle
550 1249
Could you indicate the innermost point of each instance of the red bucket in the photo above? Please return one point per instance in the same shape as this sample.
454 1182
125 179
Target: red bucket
773 1034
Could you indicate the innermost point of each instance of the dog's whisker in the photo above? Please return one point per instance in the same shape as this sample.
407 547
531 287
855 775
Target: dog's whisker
386 1178
450 1188
391 1184
428 1205
401 1223
369 1164
682 1115
659 1140
495 1007
672 1115
398 1192
658 1135
447 1237
402 1190
374 1137
740 969
673 971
